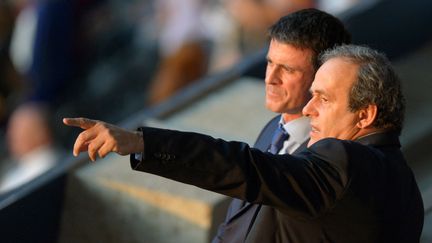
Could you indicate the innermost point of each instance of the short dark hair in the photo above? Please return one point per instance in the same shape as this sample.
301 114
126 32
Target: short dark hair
377 83
310 29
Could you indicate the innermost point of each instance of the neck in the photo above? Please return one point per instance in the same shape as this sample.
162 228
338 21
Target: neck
367 131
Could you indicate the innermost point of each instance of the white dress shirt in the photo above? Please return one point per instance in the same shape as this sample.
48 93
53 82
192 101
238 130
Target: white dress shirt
298 130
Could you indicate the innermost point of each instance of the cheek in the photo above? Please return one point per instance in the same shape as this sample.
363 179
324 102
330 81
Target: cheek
288 89
298 87
328 120
343 124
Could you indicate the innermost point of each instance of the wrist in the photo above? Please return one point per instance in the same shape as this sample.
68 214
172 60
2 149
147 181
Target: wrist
139 141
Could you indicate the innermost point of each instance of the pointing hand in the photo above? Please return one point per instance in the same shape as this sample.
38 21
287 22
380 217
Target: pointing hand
100 138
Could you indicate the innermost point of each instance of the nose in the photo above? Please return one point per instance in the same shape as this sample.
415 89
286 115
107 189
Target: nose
309 109
272 75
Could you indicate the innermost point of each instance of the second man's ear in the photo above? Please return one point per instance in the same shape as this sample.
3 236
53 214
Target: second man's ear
367 116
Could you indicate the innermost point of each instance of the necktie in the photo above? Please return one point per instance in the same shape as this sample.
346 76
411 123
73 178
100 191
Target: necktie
279 136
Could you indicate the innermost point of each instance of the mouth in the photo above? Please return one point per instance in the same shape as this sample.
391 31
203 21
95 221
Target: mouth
314 130
314 135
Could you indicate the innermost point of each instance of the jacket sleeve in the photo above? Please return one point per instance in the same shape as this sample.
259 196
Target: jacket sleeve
308 183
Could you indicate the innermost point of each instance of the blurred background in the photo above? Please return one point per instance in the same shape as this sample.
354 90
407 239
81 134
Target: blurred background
195 65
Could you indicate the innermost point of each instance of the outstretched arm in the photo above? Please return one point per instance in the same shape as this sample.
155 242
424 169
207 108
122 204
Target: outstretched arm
306 184
100 138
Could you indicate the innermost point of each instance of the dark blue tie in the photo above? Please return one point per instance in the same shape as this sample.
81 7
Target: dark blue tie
279 136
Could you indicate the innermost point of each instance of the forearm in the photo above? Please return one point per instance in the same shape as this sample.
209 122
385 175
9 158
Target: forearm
191 158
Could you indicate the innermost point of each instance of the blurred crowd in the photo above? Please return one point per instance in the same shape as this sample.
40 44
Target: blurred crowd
107 59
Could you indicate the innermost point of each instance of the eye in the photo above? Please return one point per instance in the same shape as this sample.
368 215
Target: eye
288 69
324 99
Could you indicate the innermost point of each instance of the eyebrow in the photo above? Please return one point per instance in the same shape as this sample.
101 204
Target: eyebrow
318 91
268 59
297 68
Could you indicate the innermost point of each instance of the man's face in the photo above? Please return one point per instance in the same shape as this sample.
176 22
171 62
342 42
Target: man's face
288 78
328 109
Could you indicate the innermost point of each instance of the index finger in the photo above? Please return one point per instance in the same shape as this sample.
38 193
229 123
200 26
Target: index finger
81 122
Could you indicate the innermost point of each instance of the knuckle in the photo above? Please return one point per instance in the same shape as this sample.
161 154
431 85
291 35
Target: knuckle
91 148
82 136
112 144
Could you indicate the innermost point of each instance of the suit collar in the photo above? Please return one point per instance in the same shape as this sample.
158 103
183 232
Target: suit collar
380 139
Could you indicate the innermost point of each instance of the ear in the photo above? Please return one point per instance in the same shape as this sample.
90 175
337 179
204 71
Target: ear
367 116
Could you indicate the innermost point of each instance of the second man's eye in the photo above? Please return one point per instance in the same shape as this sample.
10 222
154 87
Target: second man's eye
288 69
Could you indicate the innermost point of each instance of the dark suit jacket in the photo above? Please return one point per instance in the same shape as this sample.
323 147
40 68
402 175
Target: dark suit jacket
241 215
333 191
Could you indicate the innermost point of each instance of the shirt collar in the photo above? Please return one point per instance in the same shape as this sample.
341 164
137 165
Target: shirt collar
298 129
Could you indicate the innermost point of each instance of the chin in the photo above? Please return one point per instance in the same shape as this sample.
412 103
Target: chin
275 110
271 107
275 107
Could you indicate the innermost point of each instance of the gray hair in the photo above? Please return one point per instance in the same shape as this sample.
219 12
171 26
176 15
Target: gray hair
377 83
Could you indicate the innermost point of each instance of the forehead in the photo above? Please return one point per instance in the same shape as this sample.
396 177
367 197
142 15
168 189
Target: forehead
283 52
335 76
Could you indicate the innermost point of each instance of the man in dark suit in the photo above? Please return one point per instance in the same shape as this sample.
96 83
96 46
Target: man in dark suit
296 41
351 183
